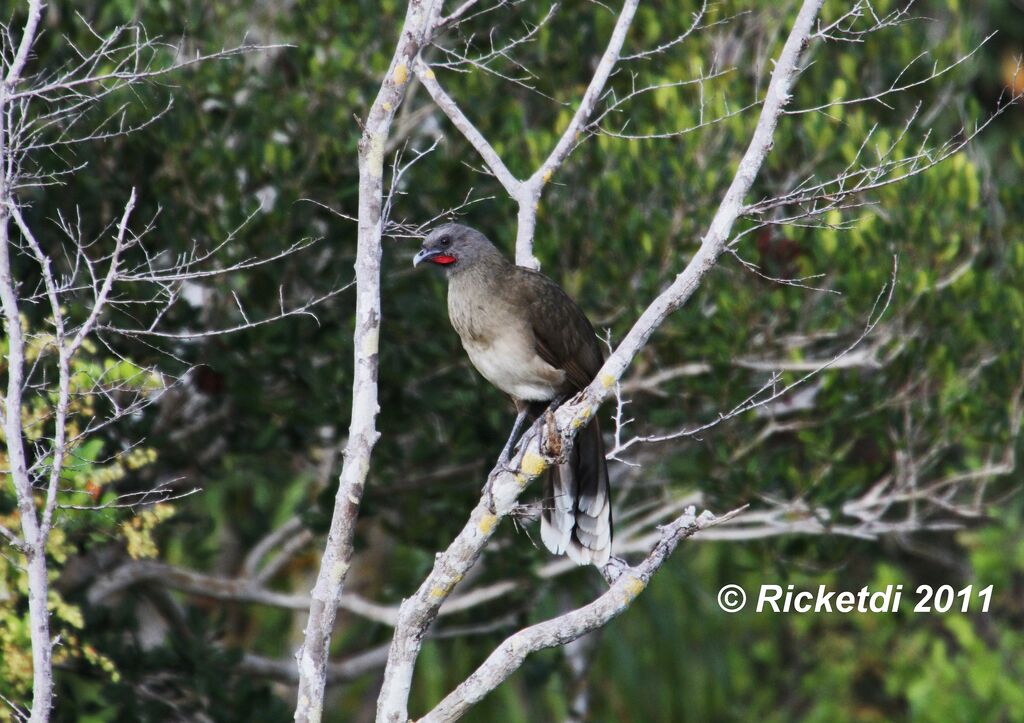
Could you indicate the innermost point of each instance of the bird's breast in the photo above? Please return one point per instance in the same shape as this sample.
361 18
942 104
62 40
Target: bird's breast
501 346
510 364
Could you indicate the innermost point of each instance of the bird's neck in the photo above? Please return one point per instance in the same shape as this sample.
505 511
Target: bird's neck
484 270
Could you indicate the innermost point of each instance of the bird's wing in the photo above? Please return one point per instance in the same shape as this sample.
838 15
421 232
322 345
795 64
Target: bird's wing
563 336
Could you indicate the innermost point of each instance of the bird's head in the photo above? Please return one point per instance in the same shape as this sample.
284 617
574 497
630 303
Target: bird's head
455 247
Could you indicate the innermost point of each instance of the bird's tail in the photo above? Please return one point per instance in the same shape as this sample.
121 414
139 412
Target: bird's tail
577 516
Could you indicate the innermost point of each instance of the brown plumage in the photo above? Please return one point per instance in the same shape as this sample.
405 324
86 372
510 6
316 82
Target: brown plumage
527 337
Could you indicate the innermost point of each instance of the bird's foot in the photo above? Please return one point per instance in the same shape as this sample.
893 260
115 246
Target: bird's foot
507 450
613 569
506 453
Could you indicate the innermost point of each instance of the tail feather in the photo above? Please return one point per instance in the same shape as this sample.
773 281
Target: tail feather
557 519
577 517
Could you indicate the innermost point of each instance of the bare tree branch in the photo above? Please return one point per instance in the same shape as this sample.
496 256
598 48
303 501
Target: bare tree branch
511 184
418 611
527 193
241 589
420 19
42 112
34 547
343 671
627 585
28 38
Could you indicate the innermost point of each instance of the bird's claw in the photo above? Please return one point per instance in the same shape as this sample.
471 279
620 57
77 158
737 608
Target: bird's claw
613 569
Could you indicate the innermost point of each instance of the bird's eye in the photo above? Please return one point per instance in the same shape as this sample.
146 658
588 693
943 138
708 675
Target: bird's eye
446 242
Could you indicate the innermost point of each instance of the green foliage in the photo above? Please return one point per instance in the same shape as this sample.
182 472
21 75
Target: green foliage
89 478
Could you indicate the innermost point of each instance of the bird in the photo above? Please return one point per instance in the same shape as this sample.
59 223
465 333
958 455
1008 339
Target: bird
526 336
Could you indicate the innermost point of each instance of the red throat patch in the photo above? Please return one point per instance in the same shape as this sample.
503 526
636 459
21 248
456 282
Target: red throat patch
443 259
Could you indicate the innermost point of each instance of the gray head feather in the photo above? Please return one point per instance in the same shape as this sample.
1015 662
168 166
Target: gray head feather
457 248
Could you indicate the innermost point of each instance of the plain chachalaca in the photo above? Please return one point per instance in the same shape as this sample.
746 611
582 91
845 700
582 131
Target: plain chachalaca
528 338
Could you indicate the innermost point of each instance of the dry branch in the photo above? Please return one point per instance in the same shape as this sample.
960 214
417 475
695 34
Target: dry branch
563 629
420 20
419 611
527 192
43 114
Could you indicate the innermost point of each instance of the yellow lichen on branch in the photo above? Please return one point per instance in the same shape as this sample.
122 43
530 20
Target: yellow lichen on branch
487 523
533 464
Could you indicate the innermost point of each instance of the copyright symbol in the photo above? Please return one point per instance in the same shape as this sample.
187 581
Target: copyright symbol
731 598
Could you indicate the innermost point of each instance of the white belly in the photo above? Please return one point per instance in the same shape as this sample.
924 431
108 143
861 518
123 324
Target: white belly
514 370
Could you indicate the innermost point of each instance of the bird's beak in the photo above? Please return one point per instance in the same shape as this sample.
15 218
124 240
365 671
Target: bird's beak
436 256
422 256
